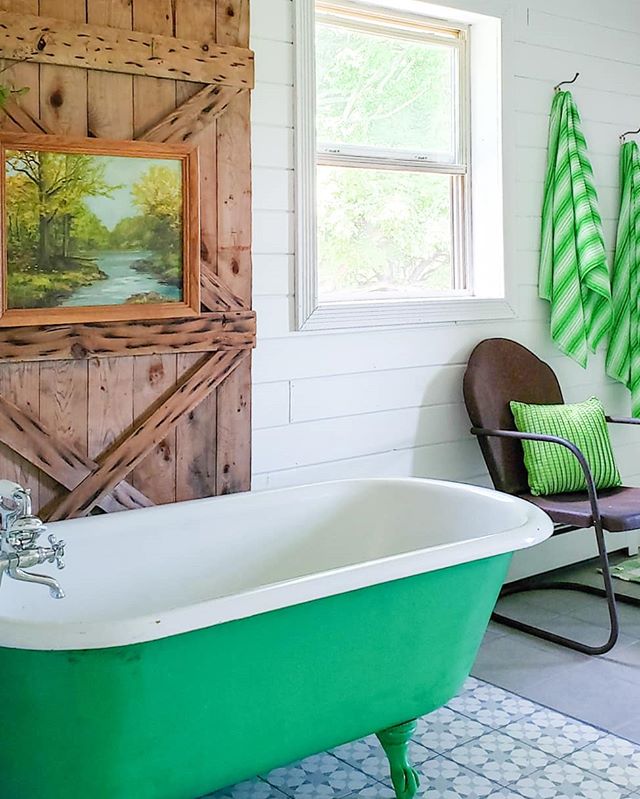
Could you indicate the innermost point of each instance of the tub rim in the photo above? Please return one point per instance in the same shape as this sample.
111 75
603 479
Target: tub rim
536 527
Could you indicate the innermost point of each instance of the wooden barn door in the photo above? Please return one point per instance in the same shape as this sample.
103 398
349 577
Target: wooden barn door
126 415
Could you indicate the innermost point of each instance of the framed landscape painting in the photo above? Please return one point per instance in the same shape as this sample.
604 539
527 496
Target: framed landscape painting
95 230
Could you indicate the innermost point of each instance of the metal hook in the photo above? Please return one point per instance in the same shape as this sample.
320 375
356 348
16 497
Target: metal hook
567 82
623 138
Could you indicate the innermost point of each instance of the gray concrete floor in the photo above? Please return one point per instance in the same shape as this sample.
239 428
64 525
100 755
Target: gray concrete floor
605 690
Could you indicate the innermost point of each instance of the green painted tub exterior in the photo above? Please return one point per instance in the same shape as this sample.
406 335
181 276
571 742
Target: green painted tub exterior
180 717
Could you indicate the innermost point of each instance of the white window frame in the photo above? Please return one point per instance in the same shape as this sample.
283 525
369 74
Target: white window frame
474 299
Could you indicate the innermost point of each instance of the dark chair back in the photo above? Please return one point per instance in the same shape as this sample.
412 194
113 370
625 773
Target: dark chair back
500 370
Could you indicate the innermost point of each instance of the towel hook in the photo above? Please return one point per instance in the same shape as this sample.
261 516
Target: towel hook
623 138
567 82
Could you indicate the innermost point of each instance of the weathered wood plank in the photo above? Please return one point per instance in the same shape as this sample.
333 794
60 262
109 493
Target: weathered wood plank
234 256
196 444
23 75
110 93
154 376
214 294
23 433
63 109
206 333
110 380
50 40
233 434
63 89
19 384
192 16
63 408
110 391
193 116
153 99
23 121
234 167
196 432
148 432
233 22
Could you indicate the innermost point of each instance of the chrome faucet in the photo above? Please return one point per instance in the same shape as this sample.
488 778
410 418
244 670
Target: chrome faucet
19 534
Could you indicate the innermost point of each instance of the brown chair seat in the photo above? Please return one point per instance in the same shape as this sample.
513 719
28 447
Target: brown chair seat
619 508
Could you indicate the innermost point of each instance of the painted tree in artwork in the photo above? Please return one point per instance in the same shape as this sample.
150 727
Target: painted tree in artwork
157 195
55 185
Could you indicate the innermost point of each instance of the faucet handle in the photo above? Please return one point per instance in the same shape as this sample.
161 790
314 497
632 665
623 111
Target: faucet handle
57 551
24 532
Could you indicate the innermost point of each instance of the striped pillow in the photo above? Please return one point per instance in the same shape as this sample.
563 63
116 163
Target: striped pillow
554 469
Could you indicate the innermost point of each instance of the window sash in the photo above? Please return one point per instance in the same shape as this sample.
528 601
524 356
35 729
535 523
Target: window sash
387 24
379 158
374 17
315 315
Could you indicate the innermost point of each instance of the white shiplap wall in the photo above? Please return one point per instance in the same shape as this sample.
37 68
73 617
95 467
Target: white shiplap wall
388 402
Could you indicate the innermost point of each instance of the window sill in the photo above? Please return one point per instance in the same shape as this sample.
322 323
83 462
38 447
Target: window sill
389 313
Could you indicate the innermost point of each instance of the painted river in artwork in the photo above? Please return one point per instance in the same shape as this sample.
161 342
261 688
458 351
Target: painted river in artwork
122 281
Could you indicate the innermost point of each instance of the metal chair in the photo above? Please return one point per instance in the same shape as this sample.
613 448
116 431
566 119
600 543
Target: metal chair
498 371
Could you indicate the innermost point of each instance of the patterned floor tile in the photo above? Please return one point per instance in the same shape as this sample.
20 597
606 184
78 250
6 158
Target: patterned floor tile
368 756
319 777
252 789
613 758
376 791
561 780
445 729
500 758
441 778
552 732
491 706
492 745
504 793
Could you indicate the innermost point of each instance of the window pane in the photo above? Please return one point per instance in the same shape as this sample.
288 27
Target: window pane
384 91
383 233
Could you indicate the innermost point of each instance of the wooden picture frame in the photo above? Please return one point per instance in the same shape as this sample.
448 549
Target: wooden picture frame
157 269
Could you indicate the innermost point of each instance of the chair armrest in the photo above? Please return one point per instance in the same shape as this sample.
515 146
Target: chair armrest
482 432
622 420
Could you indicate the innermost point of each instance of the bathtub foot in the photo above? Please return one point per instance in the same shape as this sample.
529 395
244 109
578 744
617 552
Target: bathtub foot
395 742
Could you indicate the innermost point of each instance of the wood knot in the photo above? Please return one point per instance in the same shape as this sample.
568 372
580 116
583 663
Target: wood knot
231 11
79 351
165 451
42 43
235 266
156 373
56 99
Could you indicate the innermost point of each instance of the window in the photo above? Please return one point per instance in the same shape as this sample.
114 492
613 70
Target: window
384 164
391 114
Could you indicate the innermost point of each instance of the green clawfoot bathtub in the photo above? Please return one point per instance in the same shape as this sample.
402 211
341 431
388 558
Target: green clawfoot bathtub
203 643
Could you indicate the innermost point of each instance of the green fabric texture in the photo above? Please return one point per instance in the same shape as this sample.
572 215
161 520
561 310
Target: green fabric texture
623 354
553 469
574 276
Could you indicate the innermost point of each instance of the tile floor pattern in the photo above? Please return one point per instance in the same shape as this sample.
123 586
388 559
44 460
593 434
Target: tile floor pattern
603 691
486 744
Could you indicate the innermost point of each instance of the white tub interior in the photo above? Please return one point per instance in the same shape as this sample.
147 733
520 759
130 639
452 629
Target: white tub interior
148 563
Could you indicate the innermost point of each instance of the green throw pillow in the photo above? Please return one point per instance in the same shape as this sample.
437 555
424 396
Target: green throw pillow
553 469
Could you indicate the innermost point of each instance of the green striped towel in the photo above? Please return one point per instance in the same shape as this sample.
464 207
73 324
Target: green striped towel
574 276
623 356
